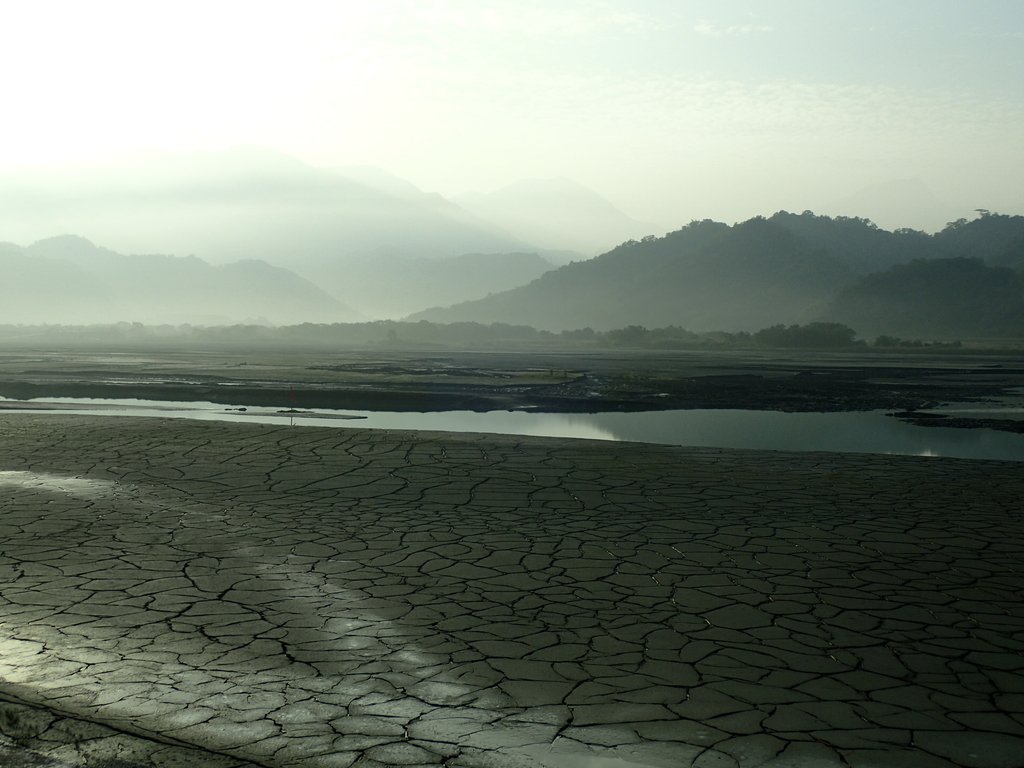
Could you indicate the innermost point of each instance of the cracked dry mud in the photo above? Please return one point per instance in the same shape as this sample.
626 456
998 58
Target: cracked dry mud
227 595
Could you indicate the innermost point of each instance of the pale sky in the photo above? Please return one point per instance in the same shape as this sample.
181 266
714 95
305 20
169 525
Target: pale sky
673 110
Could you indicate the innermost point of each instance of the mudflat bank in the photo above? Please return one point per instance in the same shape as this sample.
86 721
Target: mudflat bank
240 594
566 382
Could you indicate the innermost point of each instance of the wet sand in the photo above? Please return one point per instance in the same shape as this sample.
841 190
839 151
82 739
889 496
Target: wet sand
212 594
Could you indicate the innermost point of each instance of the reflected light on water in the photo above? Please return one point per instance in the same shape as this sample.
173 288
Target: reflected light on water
843 432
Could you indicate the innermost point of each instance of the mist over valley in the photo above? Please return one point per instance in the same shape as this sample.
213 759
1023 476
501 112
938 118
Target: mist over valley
267 240
255 236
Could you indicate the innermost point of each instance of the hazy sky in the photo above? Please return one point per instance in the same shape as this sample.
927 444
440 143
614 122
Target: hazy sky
673 109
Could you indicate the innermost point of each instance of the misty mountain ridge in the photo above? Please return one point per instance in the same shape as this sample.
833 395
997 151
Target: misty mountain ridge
256 203
383 181
393 286
385 286
69 280
360 233
708 276
556 214
789 268
225 206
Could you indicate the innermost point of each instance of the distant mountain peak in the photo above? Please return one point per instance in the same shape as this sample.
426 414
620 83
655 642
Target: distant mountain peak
556 213
383 181
66 247
243 202
64 241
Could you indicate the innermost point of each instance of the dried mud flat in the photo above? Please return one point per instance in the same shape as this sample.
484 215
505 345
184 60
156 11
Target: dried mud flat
206 594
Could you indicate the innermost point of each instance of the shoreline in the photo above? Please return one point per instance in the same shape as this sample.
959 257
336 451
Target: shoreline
551 382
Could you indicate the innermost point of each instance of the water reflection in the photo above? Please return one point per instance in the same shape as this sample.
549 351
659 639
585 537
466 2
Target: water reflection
857 432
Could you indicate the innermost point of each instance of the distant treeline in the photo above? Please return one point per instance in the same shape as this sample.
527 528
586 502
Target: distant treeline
398 334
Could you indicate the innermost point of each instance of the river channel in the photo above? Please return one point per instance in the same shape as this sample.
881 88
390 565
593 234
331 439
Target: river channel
857 432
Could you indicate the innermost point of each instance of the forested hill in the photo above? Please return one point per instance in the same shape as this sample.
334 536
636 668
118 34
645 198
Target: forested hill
706 276
789 268
996 239
935 298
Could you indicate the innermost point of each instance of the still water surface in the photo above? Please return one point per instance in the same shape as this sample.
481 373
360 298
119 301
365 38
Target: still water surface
858 432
